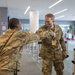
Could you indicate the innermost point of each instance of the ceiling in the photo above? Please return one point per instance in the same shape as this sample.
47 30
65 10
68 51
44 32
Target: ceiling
16 8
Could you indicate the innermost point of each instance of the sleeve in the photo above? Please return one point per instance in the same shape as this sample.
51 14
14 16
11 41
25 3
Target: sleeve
62 42
30 37
63 46
44 34
17 40
23 38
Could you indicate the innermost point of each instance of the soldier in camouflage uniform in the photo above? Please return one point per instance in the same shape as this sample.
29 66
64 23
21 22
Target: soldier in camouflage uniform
11 44
53 49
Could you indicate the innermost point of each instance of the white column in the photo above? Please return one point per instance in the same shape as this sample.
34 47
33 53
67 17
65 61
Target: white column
34 21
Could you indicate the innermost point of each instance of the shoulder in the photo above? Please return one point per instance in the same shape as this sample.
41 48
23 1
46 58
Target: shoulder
58 27
22 34
18 34
6 34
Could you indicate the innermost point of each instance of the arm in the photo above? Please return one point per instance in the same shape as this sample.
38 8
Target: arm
17 40
63 45
30 37
62 42
45 34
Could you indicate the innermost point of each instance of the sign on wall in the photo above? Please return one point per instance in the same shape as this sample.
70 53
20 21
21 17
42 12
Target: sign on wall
3 23
3 27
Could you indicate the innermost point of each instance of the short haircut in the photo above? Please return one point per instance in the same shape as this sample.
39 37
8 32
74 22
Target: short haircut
50 16
13 23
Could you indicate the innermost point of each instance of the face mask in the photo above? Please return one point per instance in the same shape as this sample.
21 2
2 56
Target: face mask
48 26
20 28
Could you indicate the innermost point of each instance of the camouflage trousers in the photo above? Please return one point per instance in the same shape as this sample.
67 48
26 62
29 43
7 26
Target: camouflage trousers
4 72
47 67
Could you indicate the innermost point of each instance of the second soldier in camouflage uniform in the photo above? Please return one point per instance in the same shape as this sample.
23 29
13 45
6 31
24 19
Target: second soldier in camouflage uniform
53 49
11 46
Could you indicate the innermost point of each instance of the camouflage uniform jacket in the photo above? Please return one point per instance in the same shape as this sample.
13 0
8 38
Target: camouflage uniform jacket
47 50
13 49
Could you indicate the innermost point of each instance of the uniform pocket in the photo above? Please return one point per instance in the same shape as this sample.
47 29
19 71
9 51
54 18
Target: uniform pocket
58 54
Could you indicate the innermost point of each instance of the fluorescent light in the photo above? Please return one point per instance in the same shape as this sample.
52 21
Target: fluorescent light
60 11
27 9
55 3
60 17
